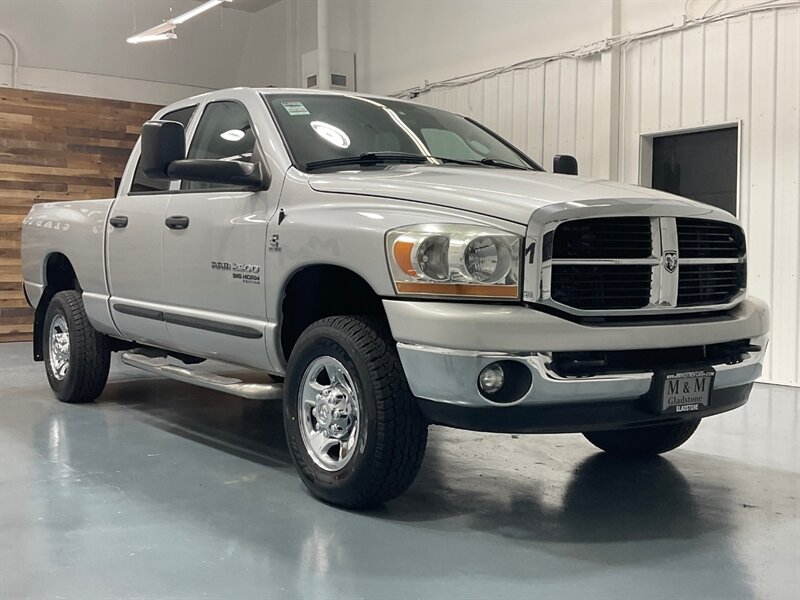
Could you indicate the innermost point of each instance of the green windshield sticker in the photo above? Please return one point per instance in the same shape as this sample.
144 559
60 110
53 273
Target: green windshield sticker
295 108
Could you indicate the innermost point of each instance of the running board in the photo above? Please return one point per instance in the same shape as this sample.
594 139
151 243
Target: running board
206 379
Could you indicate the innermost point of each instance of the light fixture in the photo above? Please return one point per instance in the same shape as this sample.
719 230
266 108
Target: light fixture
331 134
232 135
166 30
137 39
182 18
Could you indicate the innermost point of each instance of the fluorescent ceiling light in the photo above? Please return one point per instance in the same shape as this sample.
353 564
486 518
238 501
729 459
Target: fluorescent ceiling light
166 31
182 18
155 37
232 135
331 134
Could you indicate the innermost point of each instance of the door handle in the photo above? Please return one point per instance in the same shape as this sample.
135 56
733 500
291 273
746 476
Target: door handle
177 222
118 222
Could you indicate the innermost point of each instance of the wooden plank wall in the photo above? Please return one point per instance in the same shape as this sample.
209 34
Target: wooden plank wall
54 147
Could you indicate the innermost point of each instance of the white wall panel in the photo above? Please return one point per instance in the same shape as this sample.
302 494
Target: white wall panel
744 69
786 207
546 110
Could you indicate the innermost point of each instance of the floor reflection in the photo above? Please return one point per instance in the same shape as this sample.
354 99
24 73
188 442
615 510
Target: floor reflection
597 499
602 499
247 428
161 473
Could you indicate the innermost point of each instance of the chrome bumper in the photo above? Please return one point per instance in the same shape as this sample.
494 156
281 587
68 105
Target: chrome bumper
443 346
451 377
520 329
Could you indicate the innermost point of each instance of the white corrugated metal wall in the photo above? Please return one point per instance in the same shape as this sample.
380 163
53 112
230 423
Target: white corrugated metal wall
544 110
742 69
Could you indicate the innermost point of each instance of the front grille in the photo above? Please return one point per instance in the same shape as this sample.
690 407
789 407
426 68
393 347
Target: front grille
699 285
621 237
597 287
640 263
701 238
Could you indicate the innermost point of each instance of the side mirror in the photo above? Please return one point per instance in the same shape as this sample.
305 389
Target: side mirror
227 172
163 142
565 164
163 156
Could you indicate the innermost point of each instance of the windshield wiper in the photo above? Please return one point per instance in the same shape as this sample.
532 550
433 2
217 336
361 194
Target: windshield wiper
368 158
372 158
490 162
498 162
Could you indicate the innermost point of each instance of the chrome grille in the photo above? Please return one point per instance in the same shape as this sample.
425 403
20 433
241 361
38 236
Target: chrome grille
701 238
699 285
591 287
635 265
623 237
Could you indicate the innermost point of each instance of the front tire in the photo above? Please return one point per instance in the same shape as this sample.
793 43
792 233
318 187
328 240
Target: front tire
643 441
77 357
354 430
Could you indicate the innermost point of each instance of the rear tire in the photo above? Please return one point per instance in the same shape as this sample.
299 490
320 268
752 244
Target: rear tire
77 357
643 441
354 430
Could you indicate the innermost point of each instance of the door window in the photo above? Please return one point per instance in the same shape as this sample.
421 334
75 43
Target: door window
223 133
142 184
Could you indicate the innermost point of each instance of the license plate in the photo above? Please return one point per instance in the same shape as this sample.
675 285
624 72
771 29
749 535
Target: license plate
684 391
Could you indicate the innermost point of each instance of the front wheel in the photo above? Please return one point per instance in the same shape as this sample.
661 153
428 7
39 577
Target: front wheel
355 432
643 441
77 357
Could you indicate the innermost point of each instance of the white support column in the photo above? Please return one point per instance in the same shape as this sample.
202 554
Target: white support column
323 47
606 144
292 46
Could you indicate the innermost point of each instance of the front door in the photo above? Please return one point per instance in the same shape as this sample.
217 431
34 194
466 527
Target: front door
214 250
134 253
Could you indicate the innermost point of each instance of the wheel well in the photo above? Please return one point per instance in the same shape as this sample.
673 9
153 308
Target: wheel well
59 275
320 291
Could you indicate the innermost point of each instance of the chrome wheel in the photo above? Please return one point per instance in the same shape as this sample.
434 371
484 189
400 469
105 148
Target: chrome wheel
59 347
328 410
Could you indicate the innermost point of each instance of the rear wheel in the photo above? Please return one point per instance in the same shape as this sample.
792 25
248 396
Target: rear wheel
355 432
643 441
76 356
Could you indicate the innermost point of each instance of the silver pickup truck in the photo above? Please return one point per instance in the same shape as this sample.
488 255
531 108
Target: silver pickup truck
398 265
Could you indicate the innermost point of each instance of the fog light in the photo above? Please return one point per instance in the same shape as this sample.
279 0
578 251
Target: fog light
492 378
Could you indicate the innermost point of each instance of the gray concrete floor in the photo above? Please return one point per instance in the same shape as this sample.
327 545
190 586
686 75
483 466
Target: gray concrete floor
161 489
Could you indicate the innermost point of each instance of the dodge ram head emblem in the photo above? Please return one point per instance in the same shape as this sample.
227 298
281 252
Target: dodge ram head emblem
670 261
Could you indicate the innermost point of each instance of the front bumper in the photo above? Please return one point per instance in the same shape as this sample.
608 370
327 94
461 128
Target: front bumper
445 378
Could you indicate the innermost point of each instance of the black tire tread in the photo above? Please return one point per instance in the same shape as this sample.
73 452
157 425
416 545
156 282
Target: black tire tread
643 441
401 427
90 356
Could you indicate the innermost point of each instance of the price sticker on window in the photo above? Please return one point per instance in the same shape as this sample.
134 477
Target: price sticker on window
295 108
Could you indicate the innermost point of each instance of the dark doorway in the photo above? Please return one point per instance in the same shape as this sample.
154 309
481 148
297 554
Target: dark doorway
701 166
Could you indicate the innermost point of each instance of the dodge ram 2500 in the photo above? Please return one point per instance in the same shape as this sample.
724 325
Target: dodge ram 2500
393 265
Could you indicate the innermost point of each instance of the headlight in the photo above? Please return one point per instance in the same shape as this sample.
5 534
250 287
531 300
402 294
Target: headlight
454 260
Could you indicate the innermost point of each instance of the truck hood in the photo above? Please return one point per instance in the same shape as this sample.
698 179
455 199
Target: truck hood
504 193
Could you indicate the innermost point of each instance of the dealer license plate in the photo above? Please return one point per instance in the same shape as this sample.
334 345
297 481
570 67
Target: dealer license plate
686 391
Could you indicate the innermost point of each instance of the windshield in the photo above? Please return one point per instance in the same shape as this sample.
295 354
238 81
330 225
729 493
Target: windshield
325 131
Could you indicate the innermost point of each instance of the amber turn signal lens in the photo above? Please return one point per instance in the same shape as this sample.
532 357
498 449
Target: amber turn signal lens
402 254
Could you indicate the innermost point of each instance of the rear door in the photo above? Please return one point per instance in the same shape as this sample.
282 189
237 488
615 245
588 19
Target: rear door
136 228
215 248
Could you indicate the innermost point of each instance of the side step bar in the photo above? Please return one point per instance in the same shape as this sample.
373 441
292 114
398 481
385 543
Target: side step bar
206 379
